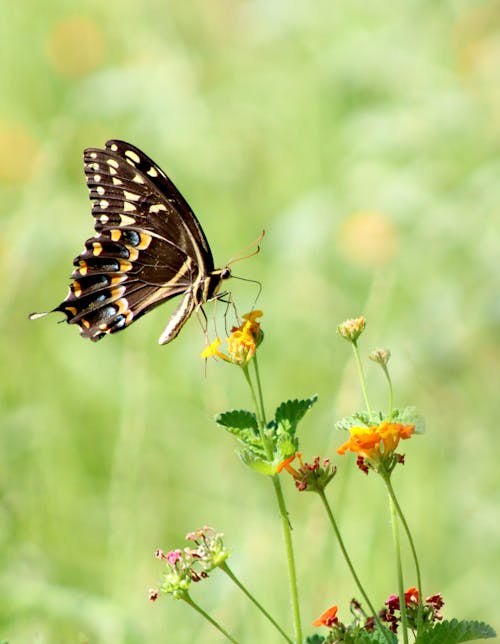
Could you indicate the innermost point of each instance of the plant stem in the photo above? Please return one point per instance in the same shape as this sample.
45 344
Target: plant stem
350 564
200 610
233 577
258 401
391 393
362 378
259 388
399 511
399 567
261 423
292 575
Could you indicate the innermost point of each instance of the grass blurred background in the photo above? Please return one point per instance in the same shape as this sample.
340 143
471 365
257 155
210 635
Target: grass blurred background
364 138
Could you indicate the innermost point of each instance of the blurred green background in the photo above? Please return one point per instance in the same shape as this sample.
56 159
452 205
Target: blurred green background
364 137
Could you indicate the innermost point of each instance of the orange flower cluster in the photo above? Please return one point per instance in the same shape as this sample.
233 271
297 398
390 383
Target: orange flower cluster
376 445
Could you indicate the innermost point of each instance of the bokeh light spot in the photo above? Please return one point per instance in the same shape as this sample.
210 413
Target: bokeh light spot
75 46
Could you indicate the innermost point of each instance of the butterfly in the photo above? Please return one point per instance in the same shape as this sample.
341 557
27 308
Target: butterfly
148 247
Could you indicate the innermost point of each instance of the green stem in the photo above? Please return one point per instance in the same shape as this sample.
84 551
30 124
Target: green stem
402 517
362 378
261 423
233 577
259 388
391 393
350 564
292 575
200 610
258 401
399 567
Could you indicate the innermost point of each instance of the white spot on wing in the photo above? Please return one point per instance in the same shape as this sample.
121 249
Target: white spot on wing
131 196
128 207
125 220
152 172
117 182
132 155
104 204
157 207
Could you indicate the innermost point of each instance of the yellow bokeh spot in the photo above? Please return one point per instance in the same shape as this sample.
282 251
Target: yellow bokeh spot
18 150
75 46
368 238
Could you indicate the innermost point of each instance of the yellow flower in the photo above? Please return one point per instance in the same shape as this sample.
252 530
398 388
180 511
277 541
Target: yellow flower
212 351
241 344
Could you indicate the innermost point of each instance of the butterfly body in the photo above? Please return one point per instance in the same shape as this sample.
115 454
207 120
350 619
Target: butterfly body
148 248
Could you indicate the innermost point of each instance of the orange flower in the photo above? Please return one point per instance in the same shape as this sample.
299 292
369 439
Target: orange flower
285 465
377 444
328 618
377 440
313 476
411 595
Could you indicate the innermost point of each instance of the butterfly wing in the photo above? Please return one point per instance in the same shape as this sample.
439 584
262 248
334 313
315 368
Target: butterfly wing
148 247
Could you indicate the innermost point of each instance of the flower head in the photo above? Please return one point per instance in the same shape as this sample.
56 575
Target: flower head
312 477
328 618
352 329
241 344
381 356
376 445
191 564
391 613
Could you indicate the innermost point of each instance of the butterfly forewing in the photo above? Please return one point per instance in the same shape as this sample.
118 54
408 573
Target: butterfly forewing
148 247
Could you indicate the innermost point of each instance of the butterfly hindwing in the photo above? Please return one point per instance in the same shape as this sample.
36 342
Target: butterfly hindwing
148 247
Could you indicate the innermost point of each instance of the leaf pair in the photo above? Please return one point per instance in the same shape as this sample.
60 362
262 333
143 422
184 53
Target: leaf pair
278 437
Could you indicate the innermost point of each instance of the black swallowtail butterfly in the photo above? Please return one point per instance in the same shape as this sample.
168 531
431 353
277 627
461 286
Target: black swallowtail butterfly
148 248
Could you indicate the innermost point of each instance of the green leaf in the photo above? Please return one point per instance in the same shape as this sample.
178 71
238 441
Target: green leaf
409 416
405 416
313 639
359 419
257 463
286 446
242 424
289 413
376 636
237 419
452 632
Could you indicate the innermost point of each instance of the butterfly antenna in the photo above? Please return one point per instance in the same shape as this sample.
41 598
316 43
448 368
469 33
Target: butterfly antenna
259 284
240 255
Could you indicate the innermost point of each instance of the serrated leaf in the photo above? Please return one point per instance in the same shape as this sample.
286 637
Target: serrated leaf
358 419
377 637
289 413
243 425
237 419
454 631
